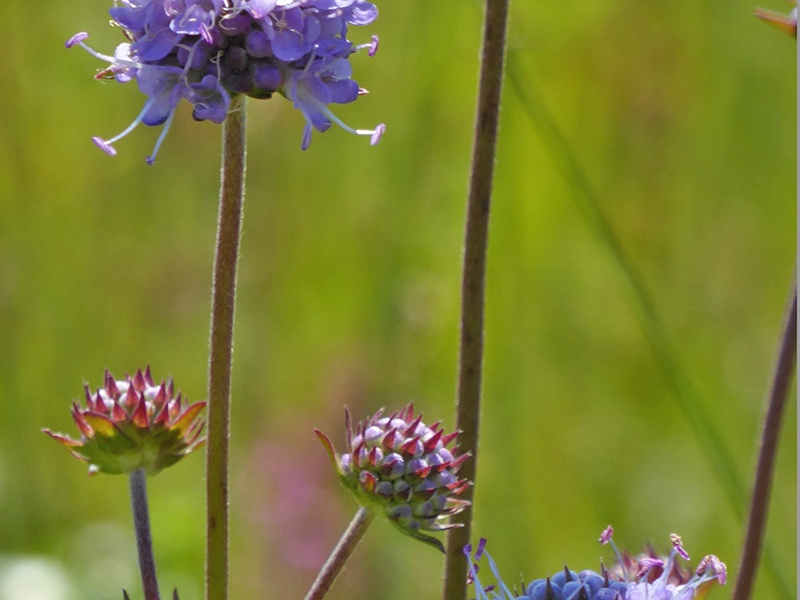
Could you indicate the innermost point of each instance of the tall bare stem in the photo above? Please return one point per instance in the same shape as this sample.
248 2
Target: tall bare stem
775 405
474 275
144 540
219 368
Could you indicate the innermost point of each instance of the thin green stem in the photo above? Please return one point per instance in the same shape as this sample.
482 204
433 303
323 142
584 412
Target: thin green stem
347 543
474 276
144 541
219 369
775 405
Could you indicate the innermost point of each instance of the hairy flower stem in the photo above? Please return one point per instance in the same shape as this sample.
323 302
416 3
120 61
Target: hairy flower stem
473 278
776 403
347 543
144 541
219 368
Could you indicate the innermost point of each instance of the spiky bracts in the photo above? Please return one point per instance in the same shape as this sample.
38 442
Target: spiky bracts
402 469
133 424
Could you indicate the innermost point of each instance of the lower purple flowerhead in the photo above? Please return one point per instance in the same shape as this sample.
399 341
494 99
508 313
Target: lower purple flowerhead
644 577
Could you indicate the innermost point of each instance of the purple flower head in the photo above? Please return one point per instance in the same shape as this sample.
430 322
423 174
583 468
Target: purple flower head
206 51
647 577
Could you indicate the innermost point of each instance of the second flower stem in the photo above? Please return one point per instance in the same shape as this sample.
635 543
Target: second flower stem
347 543
144 540
219 368
775 403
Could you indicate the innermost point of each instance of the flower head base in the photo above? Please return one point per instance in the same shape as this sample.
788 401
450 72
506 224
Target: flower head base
647 577
205 51
133 424
402 468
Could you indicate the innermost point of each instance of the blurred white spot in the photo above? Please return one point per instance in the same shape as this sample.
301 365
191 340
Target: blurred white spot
32 578
113 552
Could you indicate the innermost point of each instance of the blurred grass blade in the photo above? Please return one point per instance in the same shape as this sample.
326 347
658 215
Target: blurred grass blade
644 305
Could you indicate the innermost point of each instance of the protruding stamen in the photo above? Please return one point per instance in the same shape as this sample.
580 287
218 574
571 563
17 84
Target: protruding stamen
481 548
715 565
76 39
152 158
106 145
375 134
371 48
677 544
645 564
605 537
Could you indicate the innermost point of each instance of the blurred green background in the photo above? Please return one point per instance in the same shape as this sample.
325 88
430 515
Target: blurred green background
680 115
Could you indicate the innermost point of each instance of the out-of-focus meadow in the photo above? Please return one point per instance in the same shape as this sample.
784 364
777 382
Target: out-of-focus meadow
680 115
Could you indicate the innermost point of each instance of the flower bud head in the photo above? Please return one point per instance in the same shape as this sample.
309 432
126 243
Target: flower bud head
403 469
133 424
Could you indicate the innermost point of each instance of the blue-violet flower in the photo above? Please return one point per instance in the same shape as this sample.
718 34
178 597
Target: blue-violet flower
646 577
206 51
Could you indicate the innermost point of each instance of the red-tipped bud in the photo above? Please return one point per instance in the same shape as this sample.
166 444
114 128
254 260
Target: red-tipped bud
133 424
400 467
